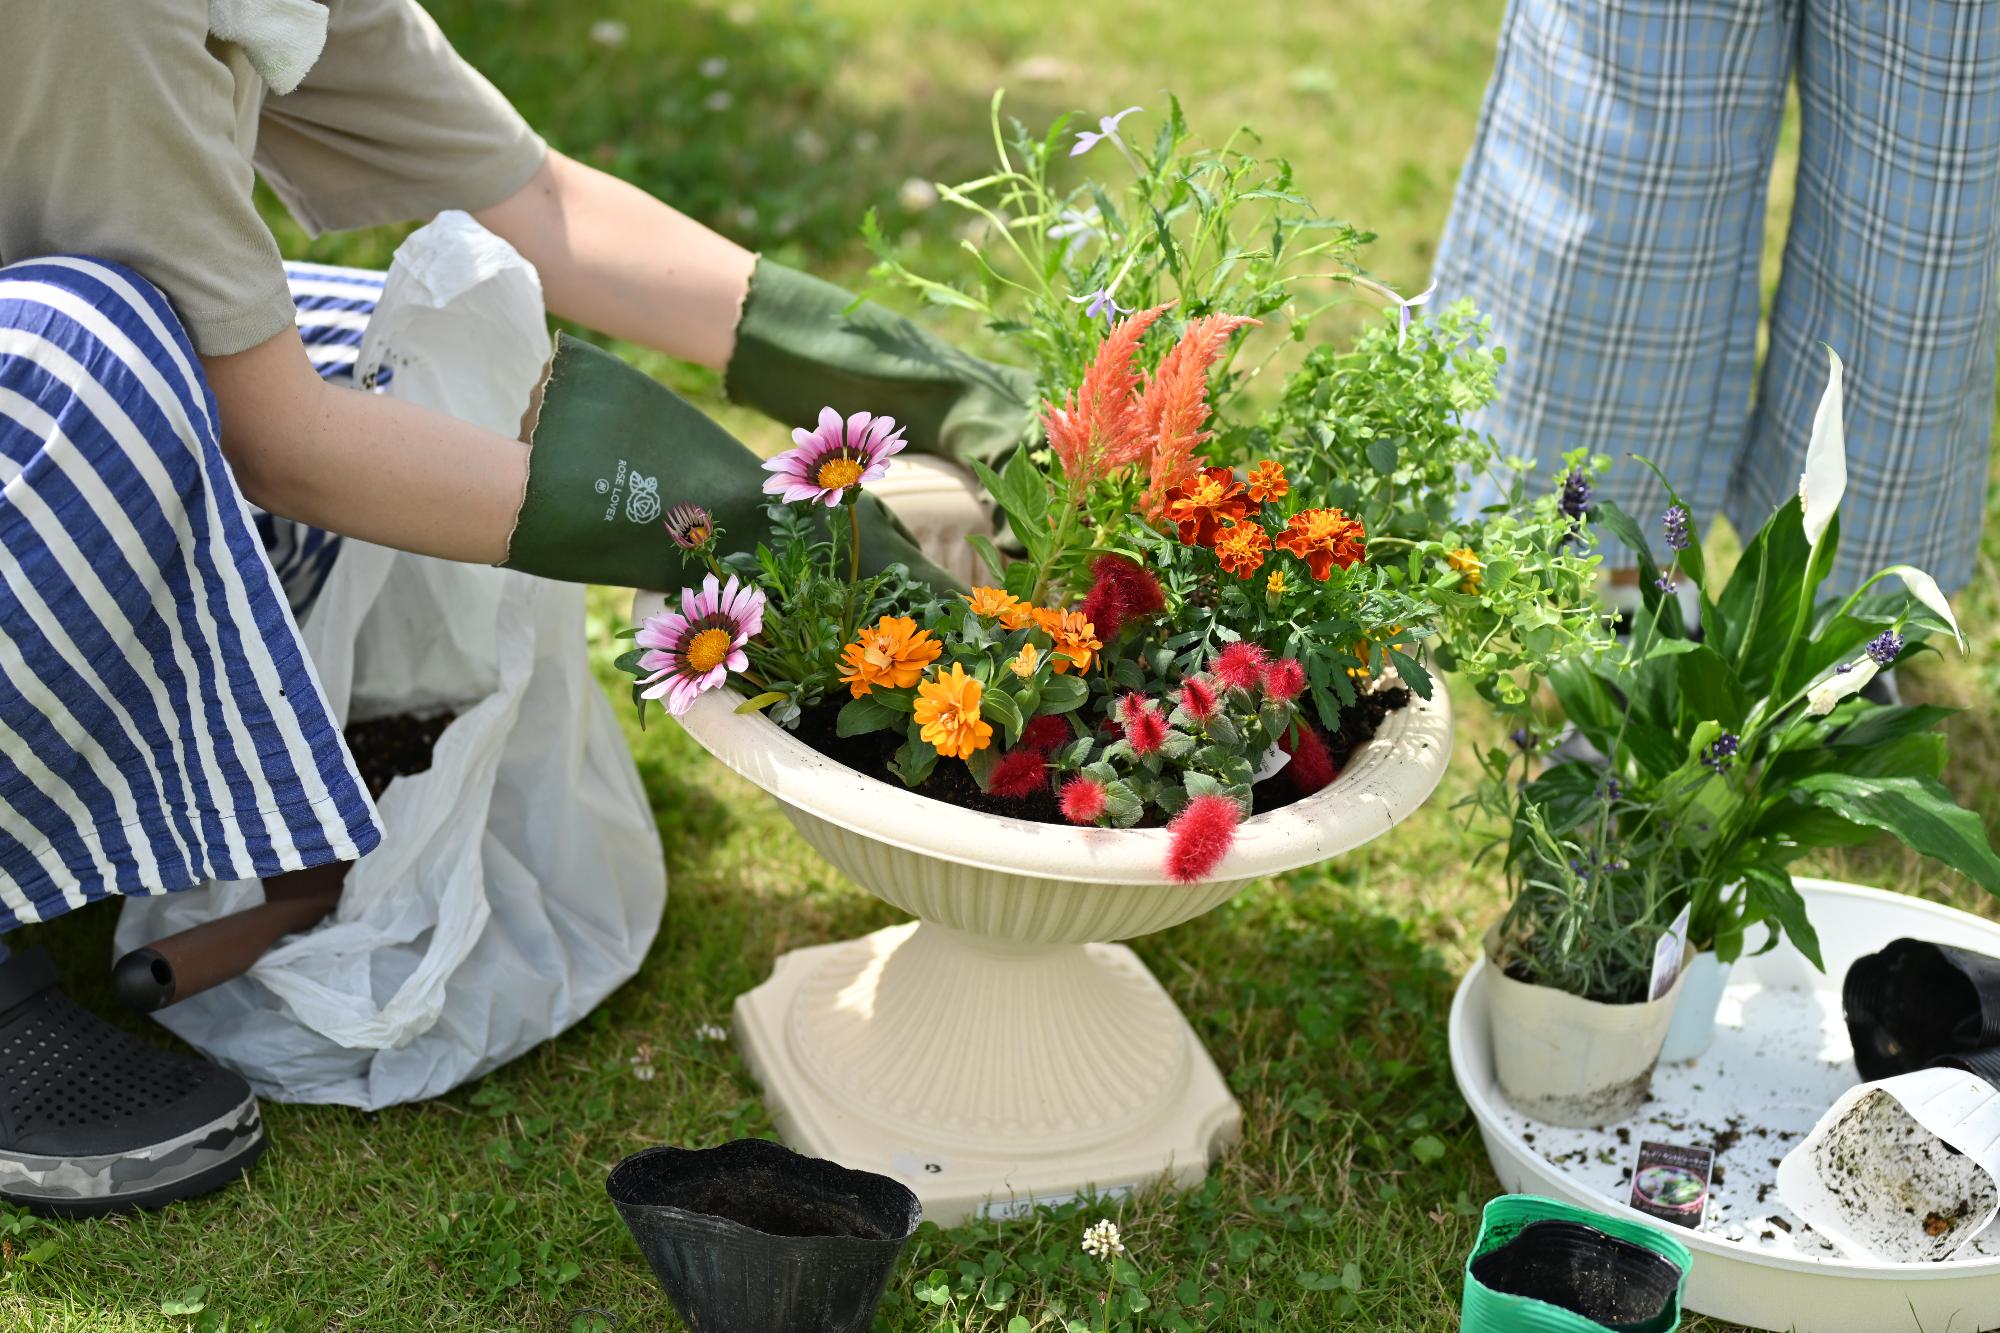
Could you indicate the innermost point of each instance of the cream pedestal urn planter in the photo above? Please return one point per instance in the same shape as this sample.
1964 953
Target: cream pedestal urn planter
997 1051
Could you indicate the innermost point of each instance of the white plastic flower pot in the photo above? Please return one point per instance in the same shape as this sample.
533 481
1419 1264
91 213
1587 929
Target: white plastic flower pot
1566 1060
997 1052
1904 1170
1693 1027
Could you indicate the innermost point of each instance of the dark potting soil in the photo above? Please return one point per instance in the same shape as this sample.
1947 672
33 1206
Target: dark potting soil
953 783
776 1207
1580 1269
387 748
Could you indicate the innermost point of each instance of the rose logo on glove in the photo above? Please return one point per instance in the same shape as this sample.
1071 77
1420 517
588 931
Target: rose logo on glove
642 505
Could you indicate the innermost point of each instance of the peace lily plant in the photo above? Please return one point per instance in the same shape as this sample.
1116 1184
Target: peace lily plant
1728 749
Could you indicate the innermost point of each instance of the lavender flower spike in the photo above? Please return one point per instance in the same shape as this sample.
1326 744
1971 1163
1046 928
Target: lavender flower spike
1107 128
1101 302
1675 520
1577 494
1885 646
1721 752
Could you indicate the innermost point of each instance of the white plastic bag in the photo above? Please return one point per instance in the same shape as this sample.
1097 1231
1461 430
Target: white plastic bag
520 879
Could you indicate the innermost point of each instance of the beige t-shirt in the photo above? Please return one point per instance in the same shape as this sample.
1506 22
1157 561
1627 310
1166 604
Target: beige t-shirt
129 134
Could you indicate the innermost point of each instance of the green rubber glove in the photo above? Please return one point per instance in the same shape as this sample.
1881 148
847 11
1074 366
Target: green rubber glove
613 450
799 348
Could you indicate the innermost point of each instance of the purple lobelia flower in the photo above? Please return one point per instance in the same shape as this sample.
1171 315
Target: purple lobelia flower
1675 520
1100 302
1721 752
1885 646
1107 128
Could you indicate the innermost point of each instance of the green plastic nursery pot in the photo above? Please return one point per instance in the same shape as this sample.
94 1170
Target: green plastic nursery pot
1541 1266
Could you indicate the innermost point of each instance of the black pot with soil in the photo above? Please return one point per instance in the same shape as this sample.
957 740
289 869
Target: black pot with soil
752 1237
1541 1267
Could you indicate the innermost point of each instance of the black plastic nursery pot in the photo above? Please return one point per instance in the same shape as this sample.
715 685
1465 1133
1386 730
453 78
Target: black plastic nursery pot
751 1237
1914 1002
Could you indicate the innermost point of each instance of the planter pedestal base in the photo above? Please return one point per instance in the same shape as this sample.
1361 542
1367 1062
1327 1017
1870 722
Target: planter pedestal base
988 1075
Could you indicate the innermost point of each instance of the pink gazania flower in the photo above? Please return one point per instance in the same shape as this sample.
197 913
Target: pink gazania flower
838 457
693 650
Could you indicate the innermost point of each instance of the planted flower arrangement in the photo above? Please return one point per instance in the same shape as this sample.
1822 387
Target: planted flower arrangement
1202 654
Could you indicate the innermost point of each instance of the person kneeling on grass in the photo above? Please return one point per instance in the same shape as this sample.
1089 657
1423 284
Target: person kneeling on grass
160 723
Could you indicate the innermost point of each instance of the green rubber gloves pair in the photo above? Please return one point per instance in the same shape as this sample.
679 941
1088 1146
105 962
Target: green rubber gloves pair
613 449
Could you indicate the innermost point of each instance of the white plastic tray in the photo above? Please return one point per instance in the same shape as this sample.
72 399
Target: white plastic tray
1780 1058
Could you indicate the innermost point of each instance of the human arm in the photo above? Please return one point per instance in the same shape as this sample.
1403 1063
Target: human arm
363 464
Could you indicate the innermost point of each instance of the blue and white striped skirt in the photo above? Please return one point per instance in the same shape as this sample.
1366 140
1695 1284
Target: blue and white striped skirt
160 723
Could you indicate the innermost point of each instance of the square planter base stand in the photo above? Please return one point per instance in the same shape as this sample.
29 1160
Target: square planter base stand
988 1075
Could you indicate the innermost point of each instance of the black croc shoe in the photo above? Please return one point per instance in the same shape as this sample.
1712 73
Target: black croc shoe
95 1121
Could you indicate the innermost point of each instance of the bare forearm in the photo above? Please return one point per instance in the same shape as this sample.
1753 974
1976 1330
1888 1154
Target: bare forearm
363 464
614 258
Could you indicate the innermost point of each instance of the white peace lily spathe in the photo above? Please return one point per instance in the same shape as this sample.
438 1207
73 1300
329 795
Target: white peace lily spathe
1846 679
1925 589
1822 487
1824 481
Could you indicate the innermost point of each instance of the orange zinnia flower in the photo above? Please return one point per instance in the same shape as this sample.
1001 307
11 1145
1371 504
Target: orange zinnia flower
893 655
1324 538
1267 481
998 604
1206 500
947 713
1024 662
1241 548
1074 638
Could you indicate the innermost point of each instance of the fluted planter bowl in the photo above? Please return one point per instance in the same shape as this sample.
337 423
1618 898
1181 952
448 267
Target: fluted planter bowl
997 1052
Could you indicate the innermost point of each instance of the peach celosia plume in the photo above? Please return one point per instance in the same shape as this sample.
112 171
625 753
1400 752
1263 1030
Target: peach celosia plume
1173 407
1099 428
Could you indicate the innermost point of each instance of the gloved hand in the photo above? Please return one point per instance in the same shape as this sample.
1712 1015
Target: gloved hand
613 449
799 348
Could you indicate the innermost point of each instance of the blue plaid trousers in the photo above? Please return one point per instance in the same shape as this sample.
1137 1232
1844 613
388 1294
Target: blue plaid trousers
1610 219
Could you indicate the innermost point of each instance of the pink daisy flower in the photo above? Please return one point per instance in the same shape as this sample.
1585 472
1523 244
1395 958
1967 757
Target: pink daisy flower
693 650
840 456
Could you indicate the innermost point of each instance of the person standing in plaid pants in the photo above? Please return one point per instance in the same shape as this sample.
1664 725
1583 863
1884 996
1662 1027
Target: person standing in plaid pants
1611 217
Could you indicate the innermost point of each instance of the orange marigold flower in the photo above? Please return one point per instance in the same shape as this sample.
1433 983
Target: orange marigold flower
1241 548
998 604
1074 638
947 713
892 654
1267 481
1324 538
1204 502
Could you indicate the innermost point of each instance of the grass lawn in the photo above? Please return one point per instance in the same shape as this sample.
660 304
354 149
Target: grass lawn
1353 1196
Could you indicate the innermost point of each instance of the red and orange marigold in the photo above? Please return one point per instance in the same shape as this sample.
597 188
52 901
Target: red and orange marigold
1241 547
1204 502
1324 538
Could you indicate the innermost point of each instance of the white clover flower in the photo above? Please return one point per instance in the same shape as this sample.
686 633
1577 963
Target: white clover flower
610 33
917 195
718 100
714 67
1101 1241
712 1032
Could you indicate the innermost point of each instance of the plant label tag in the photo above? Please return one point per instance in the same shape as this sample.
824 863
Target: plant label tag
1272 764
1670 1182
1667 956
